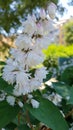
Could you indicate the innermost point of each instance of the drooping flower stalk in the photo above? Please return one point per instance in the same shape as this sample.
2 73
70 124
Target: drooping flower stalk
27 55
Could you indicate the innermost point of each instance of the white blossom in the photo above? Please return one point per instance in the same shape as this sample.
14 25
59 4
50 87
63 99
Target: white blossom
34 84
43 42
33 59
35 104
29 26
20 57
52 10
20 104
9 61
22 83
37 49
30 96
8 72
36 35
40 29
42 14
40 74
10 100
55 98
17 91
47 26
24 42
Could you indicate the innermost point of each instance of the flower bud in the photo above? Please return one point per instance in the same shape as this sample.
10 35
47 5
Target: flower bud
42 14
11 100
35 104
30 96
52 10
20 104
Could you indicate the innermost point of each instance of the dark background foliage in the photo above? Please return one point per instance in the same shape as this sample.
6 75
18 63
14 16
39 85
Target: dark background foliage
12 12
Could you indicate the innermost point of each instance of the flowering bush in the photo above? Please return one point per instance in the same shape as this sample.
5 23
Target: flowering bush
25 100
57 58
59 62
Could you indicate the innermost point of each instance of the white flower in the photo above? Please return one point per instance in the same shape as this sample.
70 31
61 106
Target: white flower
30 96
29 26
10 100
9 72
40 74
22 83
33 59
52 10
35 104
19 56
22 78
24 42
37 49
17 91
34 84
47 26
9 61
39 29
42 14
33 17
43 43
36 35
20 104
55 98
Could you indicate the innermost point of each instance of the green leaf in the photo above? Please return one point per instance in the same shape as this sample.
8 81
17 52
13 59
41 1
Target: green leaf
48 76
10 126
55 1
67 75
2 63
23 127
7 113
5 86
1 66
33 120
71 96
61 88
48 114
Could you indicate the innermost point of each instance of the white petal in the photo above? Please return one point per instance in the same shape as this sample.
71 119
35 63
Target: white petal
34 103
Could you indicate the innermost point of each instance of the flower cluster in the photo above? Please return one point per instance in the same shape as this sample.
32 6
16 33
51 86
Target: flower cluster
22 68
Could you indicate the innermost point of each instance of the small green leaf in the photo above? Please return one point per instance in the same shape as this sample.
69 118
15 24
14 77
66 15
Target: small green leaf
70 101
55 1
23 127
48 76
5 86
48 114
7 113
61 88
67 75
2 63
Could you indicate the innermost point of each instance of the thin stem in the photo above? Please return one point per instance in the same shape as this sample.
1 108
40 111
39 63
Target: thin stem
28 120
69 114
44 128
19 115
